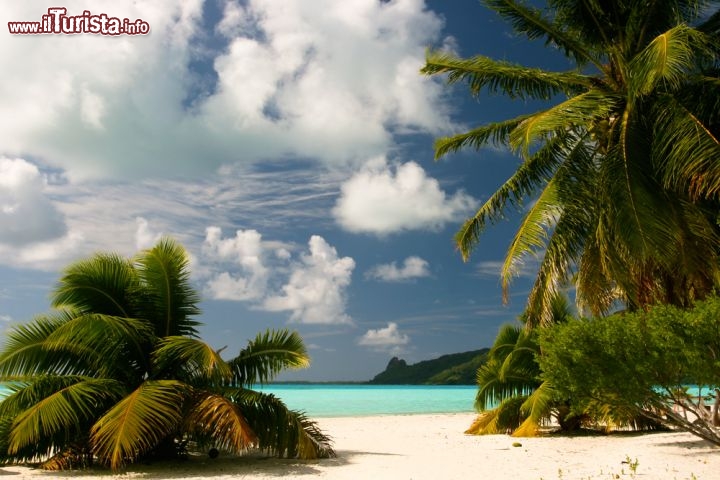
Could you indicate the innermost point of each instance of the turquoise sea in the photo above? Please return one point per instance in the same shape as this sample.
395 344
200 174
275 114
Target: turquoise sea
352 400
340 400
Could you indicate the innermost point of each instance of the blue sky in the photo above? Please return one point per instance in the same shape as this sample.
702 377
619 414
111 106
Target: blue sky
288 145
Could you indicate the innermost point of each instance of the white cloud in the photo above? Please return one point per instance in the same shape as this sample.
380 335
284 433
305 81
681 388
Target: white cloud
328 80
315 291
27 215
33 231
413 267
145 236
378 200
49 255
383 338
249 269
245 253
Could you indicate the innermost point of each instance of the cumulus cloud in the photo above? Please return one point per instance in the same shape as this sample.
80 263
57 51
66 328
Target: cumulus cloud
383 200
145 236
413 267
27 215
267 276
384 338
334 81
33 231
245 253
315 291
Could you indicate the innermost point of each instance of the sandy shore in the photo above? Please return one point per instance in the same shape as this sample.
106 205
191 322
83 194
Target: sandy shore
434 447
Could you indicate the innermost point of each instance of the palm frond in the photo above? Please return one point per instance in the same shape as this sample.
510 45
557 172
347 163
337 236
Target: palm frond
55 405
267 355
579 111
687 150
504 418
195 358
532 174
596 291
669 58
101 284
138 422
282 431
104 342
164 270
496 133
219 418
530 21
531 236
515 81
563 250
538 409
24 352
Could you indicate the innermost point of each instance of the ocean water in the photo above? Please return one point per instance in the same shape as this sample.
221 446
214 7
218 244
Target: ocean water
339 400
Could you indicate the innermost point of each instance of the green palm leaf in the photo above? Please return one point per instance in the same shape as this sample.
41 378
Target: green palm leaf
532 175
531 22
24 351
196 358
166 280
687 149
580 110
138 422
99 285
501 419
511 79
281 431
103 341
497 133
532 234
56 405
667 59
267 355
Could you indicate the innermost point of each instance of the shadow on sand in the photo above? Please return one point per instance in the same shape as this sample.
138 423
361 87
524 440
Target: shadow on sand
203 467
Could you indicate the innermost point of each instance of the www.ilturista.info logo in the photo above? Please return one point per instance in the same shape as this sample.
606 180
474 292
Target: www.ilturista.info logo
58 22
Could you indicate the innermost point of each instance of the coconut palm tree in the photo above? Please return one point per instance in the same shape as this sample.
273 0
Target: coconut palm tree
621 174
117 373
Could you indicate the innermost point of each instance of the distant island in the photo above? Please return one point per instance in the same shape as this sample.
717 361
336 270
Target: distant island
452 369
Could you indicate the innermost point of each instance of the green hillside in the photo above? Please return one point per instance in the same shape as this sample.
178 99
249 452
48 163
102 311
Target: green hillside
452 369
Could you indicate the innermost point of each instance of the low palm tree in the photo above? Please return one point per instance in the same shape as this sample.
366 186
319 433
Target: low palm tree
117 373
512 396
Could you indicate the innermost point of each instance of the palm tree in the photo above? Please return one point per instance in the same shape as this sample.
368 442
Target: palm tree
621 174
512 395
117 372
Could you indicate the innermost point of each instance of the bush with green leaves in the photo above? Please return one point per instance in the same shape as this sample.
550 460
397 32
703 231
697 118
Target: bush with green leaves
117 373
639 365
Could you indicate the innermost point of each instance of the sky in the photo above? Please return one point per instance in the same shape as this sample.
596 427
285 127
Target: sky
287 144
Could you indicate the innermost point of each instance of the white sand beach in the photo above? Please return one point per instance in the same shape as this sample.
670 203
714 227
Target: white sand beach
434 447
